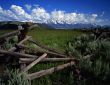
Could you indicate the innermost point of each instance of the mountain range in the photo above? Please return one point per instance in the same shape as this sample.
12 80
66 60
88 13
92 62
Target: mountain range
72 26
14 24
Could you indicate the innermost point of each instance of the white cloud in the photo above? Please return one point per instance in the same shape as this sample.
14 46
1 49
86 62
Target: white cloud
40 15
69 18
20 13
57 16
93 18
36 5
7 15
1 9
28 6
102 14
18 10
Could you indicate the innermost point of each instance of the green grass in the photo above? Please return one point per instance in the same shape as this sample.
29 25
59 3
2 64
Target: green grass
4 31
57 78
54 38
94 70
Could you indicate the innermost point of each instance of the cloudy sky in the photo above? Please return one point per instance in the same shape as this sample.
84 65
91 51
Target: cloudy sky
56 11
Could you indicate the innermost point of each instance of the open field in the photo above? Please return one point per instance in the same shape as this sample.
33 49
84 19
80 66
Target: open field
51 37
54 38
92 51
4 31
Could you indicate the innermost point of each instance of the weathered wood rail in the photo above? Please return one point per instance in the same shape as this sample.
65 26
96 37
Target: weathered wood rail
9 34
49 71
31 60
41 51
44 46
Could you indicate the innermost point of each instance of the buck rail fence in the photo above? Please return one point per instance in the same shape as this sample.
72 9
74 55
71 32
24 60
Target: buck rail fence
27 61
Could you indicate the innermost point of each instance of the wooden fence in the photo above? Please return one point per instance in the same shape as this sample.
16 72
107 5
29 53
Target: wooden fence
27 61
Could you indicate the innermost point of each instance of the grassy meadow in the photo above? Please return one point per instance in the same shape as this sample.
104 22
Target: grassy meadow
5 31
56 39
94 70
53 38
